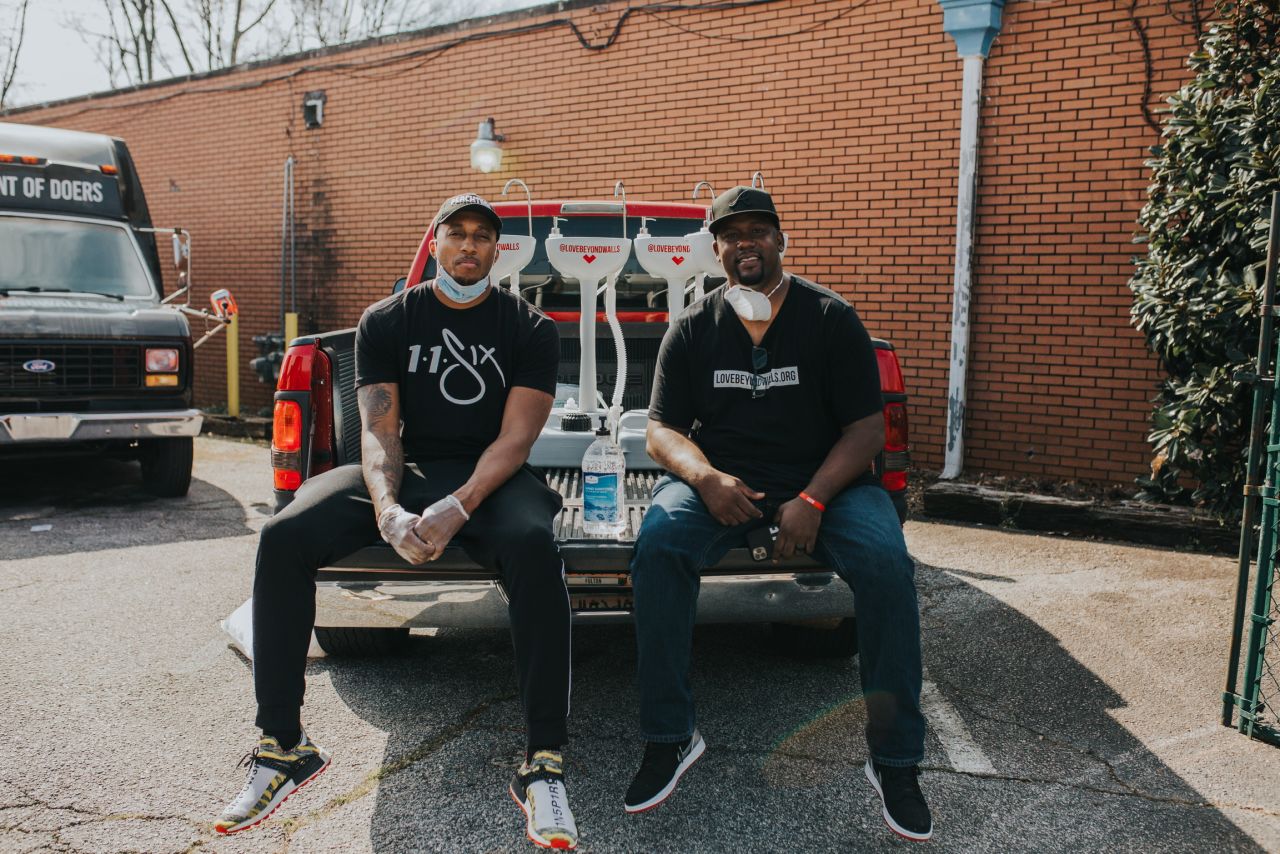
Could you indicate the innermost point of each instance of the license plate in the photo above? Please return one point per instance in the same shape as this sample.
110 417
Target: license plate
579 581
586 602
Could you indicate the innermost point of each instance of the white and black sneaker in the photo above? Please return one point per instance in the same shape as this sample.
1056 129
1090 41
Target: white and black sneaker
539 791
905 810
660 770
274 775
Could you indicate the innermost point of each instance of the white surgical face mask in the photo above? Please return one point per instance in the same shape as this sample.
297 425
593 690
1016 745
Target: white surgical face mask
457 292
749 303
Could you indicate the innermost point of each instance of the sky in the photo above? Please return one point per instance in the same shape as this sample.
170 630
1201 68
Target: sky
56 62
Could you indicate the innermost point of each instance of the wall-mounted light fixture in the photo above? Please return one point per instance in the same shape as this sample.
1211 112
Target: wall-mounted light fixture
313 109
486 151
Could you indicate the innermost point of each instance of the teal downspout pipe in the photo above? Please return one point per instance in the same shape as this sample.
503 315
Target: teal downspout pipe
974 24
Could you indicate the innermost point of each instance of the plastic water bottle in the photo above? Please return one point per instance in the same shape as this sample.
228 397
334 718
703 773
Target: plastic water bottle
604 472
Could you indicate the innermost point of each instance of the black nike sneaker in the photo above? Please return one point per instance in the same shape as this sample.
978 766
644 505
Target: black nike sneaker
905 810
660 770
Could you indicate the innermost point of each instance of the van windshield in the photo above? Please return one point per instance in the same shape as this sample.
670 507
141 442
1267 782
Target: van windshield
64 255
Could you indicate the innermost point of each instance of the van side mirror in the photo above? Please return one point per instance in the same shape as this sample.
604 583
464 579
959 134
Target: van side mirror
224 304
181 251
399 285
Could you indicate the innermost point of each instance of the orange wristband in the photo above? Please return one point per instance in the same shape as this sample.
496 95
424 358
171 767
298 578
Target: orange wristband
815 502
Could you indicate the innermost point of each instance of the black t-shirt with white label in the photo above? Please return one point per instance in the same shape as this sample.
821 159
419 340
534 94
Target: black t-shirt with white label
820 377
455 367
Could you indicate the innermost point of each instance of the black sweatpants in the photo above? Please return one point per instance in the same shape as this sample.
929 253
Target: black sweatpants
332 516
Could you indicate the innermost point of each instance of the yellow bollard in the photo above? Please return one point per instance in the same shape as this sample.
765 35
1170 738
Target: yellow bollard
290 327
233 367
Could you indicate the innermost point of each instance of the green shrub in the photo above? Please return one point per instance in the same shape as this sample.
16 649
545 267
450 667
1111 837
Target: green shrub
1197 291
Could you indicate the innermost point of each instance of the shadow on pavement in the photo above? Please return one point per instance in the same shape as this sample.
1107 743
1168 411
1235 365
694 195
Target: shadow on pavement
96 503
783 769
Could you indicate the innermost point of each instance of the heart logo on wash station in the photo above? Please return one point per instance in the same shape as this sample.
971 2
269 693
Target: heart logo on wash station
678 259
589 258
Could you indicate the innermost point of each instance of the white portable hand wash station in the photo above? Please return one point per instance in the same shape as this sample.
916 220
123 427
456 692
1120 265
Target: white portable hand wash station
515 251
592 262
596 262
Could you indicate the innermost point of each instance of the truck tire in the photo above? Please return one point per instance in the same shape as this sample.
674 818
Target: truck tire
819 639
351 642
166 466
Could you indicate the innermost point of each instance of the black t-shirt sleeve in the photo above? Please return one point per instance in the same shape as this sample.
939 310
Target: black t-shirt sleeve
853 377
538 359
672 401
376 350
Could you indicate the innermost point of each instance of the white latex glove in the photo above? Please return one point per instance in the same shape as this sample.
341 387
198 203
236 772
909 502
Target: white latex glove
440 522
397 527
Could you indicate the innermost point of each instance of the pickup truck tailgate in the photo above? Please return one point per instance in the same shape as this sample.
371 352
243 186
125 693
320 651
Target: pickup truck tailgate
374 587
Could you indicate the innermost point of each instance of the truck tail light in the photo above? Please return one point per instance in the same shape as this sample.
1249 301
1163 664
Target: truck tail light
896 457
286 445
306 375
894 481
295 370
322 412
895 427
890 372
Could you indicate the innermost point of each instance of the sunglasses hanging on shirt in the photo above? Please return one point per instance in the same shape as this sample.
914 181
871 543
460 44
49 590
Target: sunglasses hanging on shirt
759 364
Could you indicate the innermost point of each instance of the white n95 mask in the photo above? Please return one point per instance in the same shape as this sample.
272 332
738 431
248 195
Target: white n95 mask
750 304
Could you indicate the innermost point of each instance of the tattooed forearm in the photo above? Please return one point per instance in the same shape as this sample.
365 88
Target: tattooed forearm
383 466
382 454
375 403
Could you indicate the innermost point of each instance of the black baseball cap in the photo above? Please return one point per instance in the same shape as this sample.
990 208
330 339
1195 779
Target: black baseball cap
742 200
467 202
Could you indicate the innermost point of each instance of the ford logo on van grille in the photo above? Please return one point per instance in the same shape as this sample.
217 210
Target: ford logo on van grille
38 366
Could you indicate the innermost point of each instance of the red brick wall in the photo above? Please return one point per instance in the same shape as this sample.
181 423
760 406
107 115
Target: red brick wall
1060 383
852 113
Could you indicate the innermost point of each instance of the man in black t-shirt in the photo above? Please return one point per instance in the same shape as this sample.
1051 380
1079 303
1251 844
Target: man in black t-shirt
455 379
766 408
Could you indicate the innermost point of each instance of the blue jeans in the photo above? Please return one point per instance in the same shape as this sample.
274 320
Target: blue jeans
860 539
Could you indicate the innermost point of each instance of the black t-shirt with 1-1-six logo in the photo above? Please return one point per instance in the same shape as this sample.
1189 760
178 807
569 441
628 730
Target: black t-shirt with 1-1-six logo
455 367
770 424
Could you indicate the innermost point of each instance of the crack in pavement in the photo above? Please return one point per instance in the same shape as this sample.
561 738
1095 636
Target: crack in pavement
89 816
1127 791
1084 787
1110 764
370 782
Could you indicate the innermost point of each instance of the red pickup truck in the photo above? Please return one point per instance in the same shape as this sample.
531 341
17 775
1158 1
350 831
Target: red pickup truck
367 603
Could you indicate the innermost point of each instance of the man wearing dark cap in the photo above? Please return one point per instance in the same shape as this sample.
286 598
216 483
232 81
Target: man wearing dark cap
455 379
766 408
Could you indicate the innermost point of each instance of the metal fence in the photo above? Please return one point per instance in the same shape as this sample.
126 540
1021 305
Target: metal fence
1255 708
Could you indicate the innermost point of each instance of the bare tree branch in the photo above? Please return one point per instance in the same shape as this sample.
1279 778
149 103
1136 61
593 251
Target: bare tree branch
220 27
176 29
238 33
332 22
137 39
10 49
129 48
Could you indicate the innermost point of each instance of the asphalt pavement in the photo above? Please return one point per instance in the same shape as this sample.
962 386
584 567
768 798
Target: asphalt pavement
1072 692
